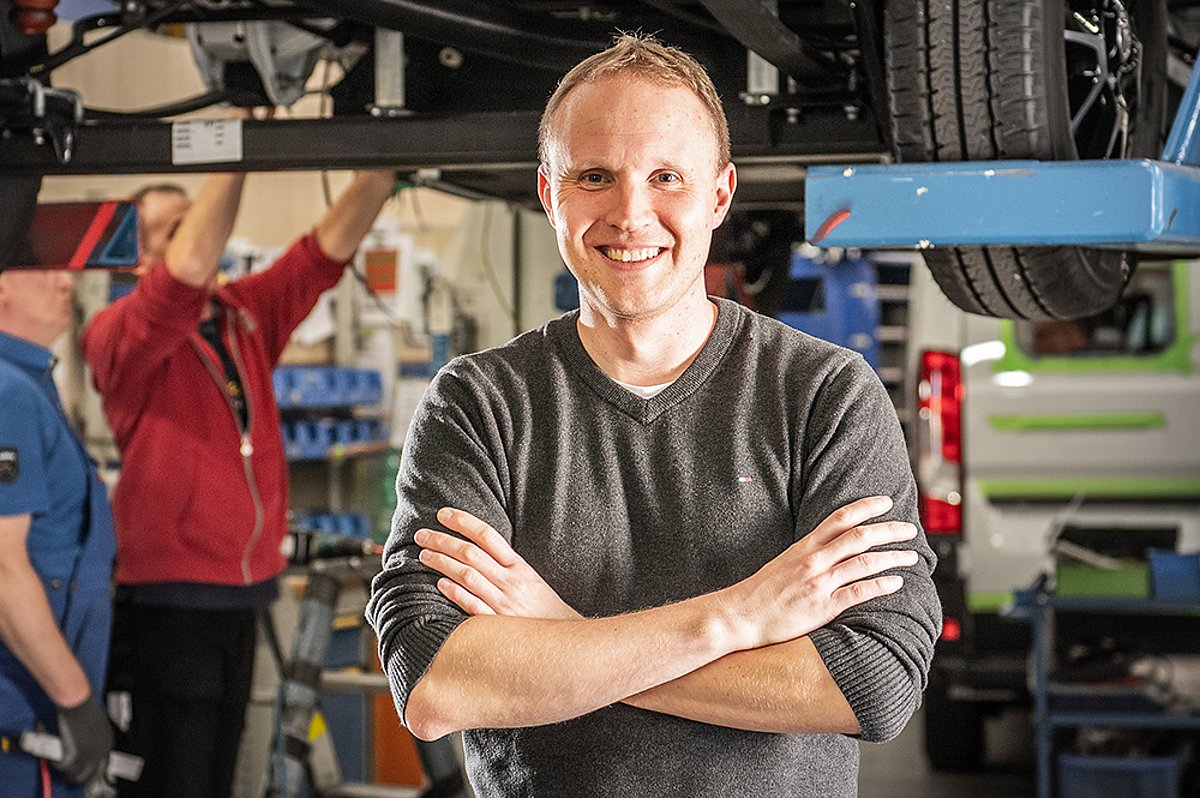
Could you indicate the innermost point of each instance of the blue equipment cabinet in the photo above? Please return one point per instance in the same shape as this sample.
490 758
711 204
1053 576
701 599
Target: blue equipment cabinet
836 301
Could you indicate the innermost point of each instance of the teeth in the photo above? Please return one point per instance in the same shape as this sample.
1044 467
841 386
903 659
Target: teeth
630 255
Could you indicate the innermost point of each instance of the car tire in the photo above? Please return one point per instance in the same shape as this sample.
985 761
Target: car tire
977 80
954 730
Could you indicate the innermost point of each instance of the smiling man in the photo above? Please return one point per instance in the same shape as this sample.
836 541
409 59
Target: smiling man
683 557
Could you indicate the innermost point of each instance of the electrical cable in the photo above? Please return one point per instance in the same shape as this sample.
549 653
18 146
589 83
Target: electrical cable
422 225
486 262
394 319
160 112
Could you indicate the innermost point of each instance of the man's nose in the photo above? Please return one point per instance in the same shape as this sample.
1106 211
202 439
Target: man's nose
632 206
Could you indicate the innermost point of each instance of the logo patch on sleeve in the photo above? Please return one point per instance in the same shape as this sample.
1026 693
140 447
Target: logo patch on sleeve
10 464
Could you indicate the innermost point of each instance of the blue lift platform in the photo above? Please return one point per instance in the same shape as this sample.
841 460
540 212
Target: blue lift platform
1146 205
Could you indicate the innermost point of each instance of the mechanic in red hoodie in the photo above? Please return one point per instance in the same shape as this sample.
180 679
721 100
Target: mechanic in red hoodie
184 368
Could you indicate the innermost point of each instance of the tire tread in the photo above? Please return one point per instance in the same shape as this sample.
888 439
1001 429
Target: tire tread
974 80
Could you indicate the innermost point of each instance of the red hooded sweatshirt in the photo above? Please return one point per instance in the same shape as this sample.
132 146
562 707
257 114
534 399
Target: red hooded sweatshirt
200 499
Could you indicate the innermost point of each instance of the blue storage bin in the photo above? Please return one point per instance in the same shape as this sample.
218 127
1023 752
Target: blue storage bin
369 429
326 386
1174 577
354 525
280 383
343 431
1118 777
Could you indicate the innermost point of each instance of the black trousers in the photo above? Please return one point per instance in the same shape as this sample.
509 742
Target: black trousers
188 675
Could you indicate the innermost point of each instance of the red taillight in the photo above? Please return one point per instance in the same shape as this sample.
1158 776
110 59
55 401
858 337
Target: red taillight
939 516
951 629
938 449
940 395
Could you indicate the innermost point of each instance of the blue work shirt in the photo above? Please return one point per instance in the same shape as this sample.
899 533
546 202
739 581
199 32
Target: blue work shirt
45 473
42 470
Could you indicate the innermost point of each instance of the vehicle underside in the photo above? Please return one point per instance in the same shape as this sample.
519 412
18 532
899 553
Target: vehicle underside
450 92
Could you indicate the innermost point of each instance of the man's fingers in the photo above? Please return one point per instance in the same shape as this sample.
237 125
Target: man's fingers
464 575
465 599
866 537
875 562
849 516
464 551
863 591
479 533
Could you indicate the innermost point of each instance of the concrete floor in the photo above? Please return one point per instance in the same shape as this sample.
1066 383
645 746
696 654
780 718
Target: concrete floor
899 769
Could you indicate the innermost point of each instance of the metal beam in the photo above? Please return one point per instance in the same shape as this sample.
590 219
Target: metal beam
498 141
307 144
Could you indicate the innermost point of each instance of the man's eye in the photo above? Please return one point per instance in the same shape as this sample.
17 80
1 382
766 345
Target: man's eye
667 177
593 178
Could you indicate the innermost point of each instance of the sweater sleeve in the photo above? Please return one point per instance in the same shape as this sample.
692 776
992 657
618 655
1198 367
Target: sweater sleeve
449 459
280 297
878 652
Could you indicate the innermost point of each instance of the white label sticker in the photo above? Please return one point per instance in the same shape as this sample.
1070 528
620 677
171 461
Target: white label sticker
206 141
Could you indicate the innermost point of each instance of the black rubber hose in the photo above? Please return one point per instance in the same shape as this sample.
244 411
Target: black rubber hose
163 111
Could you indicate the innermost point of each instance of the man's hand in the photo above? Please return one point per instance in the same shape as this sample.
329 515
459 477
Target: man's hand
825 573
484 575
87 739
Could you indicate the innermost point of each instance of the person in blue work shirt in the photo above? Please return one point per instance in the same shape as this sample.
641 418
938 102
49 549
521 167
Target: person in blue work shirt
56 555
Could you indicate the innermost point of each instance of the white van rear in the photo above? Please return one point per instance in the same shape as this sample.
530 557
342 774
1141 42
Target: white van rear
1022 430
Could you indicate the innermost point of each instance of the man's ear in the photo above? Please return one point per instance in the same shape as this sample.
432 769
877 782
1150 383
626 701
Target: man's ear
544 192
726 186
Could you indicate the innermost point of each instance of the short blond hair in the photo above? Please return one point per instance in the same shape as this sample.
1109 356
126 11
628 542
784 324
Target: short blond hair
643 56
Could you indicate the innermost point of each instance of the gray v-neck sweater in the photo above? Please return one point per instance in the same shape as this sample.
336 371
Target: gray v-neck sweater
623 503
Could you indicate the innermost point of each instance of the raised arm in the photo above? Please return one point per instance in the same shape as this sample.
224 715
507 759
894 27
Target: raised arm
194 253
343 226
281 297
126 342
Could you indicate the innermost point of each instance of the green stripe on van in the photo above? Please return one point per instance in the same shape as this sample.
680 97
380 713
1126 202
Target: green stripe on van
989 602
1078 421
1177 357
1092 487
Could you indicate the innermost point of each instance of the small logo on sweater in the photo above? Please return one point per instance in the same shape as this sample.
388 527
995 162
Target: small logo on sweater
10 464
745 479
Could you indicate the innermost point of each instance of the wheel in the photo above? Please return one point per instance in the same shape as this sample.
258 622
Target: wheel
954 736
1027 79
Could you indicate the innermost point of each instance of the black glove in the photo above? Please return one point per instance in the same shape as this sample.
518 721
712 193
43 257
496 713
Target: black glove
87 739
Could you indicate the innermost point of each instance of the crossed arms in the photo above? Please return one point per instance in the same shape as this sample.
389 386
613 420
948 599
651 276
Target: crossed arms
738 657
